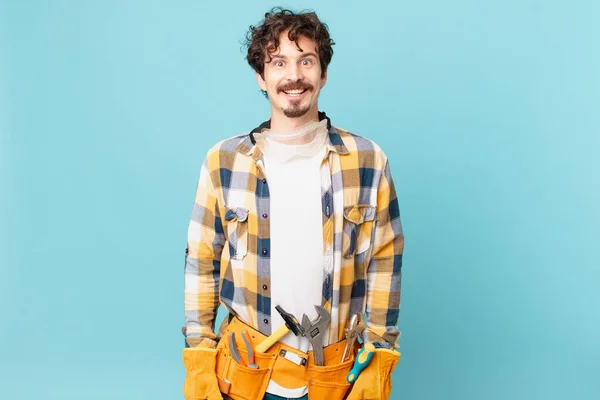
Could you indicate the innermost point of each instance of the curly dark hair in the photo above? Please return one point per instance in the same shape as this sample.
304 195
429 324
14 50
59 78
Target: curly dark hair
263 39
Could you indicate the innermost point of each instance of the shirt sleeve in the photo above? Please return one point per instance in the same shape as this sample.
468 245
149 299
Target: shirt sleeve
384 271
205 241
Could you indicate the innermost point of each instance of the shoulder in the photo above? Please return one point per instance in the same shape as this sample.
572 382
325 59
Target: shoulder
228 145
224 149
365 149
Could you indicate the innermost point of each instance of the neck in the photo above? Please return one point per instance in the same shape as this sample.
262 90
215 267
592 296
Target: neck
281 123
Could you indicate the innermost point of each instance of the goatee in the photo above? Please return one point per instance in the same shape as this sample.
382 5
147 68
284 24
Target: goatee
295 111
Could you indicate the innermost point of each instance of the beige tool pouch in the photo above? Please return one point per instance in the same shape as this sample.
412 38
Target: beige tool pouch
326 382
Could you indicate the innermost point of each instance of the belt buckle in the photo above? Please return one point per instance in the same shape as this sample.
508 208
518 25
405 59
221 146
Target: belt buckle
295 358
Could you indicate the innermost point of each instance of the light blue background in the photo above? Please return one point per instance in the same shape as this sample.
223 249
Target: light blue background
488 110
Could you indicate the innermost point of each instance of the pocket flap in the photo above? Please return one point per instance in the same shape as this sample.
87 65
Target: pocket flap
239 213
359 213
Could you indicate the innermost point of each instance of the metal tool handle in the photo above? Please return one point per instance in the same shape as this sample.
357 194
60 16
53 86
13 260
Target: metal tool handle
347 348
351 335
248 342
234 351
318 355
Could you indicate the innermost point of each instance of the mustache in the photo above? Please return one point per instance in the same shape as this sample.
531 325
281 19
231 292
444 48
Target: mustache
295 86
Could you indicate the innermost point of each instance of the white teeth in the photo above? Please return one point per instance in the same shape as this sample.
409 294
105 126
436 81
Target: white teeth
294 92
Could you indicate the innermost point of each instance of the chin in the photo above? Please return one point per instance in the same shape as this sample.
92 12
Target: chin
296 112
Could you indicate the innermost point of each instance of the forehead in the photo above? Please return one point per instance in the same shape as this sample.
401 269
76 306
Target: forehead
288 48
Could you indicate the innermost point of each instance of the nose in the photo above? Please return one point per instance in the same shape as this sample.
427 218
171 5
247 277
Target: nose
294 72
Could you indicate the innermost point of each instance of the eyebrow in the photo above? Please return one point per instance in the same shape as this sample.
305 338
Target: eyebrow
303 56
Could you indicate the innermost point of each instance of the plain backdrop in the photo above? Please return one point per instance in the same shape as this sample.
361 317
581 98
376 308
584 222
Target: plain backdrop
488 111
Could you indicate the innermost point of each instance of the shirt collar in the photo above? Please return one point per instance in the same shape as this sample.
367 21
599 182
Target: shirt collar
334 141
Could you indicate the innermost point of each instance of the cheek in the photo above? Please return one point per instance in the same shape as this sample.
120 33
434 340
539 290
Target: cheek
316 81
272 78
272 86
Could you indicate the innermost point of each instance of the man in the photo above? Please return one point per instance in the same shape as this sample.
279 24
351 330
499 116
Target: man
297 213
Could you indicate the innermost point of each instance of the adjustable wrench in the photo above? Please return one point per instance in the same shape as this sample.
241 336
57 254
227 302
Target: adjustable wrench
314 331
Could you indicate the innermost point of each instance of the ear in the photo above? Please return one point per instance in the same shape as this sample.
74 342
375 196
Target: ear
324 79
261 82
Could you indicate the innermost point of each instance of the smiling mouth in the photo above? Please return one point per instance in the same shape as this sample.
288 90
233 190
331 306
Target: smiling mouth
295 92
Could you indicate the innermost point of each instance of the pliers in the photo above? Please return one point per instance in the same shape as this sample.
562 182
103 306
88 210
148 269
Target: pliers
236 354
355 328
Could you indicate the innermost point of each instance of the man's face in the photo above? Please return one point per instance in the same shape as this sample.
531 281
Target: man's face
293 79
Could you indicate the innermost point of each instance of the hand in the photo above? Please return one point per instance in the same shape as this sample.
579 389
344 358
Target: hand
201 379
375 381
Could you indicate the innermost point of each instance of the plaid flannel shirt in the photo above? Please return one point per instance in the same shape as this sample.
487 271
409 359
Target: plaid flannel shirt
228 246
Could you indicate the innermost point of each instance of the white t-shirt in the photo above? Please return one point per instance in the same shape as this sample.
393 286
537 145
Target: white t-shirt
293 175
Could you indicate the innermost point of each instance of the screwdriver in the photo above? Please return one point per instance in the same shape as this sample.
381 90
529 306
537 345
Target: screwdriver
363 358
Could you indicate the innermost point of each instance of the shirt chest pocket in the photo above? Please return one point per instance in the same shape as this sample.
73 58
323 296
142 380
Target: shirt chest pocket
359 222
237 232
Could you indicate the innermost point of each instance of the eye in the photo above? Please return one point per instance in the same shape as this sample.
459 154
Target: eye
307 62
279 63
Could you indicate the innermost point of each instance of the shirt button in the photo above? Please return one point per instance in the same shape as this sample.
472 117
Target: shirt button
265 251
266 321
264 287
265 215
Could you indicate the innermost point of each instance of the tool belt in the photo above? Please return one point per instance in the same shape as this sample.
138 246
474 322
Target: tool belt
285 365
